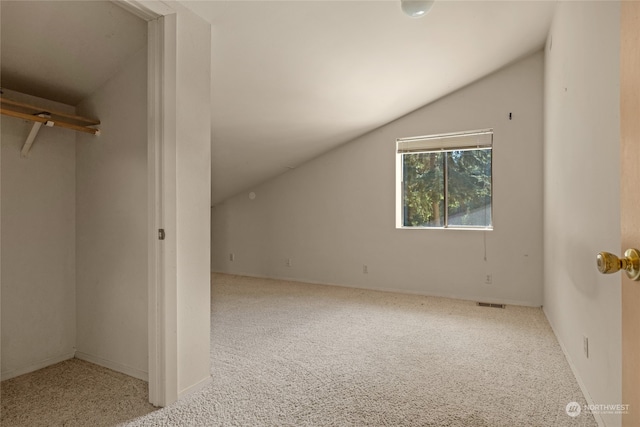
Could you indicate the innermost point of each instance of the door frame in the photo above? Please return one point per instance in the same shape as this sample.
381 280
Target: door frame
161 196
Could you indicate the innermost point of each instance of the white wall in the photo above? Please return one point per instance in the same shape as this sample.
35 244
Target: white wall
193 195
336 213
38 243
111 217
582 198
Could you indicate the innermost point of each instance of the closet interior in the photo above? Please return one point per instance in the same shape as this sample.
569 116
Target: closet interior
73 186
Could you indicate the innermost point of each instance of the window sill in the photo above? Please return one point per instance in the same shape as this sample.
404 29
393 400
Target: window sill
447 228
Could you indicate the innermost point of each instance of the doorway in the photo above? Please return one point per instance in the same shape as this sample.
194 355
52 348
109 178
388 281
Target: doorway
75 215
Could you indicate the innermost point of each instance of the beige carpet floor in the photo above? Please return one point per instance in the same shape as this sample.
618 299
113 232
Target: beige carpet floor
72 393
291 354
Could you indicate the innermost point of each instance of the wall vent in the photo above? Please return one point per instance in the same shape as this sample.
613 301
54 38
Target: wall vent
488 304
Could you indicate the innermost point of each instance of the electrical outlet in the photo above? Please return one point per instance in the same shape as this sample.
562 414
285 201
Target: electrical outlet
488 279
232 256
585 346
288 262
365 269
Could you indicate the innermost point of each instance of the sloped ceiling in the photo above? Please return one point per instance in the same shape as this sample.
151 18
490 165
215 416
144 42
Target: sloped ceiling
294 79
65 50
290 79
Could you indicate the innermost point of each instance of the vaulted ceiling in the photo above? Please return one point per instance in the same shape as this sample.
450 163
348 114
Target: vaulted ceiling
294 79
290 79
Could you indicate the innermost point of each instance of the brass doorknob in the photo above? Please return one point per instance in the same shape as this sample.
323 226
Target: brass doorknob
609 263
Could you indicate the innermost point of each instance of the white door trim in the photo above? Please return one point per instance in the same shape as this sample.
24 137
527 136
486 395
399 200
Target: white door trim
161 191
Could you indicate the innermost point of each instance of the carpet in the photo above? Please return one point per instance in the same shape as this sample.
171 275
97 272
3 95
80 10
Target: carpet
72 393
292 354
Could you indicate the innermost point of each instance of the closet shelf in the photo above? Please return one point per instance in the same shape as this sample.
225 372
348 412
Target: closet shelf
31 112
42 116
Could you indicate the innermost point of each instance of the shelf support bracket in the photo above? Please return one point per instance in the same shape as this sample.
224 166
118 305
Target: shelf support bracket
33 133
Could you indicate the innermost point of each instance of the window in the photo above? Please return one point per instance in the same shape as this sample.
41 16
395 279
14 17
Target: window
444 181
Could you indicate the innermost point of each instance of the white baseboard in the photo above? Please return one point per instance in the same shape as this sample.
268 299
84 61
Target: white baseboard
116 366
389 289
196 387
576 374
35 366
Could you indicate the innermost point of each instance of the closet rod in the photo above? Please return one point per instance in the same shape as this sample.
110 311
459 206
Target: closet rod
33 118
53 113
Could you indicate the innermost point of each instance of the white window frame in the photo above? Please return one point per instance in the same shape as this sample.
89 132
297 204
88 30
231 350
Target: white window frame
446 142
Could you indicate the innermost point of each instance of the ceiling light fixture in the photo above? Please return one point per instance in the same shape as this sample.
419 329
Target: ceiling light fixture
416 8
